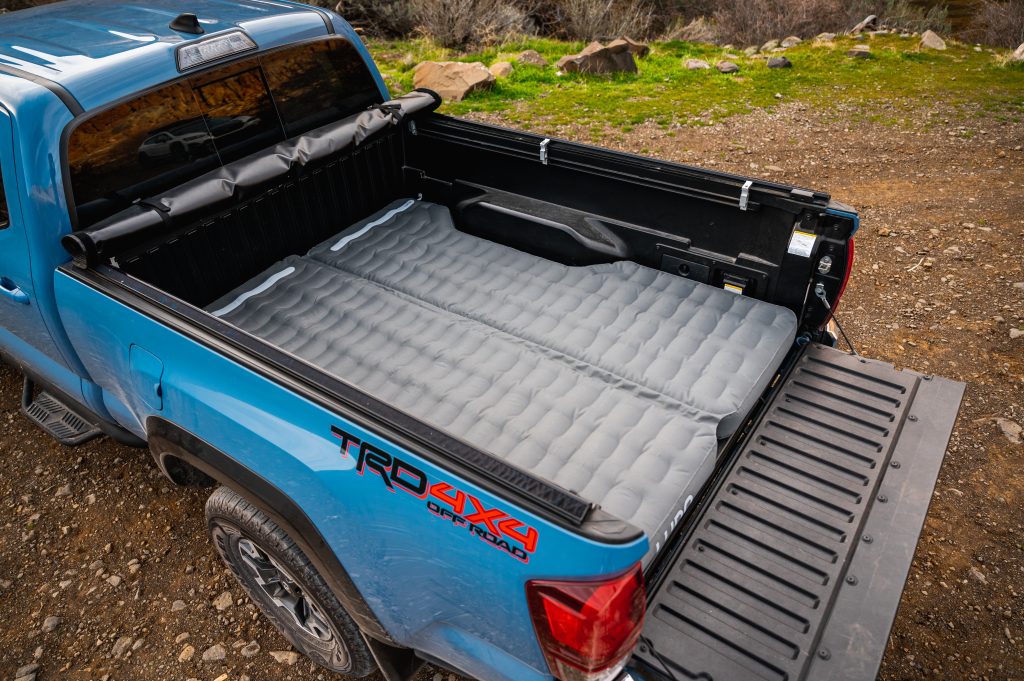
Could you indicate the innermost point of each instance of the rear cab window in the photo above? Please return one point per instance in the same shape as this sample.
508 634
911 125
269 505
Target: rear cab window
181 130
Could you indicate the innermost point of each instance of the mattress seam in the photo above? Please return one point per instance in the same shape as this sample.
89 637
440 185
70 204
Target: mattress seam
684 408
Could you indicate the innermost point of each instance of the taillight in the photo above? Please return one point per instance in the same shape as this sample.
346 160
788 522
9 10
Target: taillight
846 276
588 629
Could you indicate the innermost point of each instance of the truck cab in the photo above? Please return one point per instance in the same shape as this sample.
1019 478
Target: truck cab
514 406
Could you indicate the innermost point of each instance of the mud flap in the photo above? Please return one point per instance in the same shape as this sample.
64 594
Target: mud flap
796 565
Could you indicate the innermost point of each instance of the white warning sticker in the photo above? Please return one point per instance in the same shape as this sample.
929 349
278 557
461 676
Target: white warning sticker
802 243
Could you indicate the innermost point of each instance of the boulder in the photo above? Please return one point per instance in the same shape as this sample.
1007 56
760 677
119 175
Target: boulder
597 58
791 41
869 22
932 41
751 51
639 50
696 64
452 80
824 37
531 57
501 69
770 45
727 67
1018 54
859 51
779 63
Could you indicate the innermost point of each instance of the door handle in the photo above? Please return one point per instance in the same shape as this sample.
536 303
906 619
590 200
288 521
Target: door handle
11 290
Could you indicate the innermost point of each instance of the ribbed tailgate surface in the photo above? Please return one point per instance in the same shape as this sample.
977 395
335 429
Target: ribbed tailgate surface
752 592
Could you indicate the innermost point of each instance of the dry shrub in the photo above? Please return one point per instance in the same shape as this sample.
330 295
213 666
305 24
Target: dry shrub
754 21
602 19
699 30
902 14
452 23
998 23
379 17
457 23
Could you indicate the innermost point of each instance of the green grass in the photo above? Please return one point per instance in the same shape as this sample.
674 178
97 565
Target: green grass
896 79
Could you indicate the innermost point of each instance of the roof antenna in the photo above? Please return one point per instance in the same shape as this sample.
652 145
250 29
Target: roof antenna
187 23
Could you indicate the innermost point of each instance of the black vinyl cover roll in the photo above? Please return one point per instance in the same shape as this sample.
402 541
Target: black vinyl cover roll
234 182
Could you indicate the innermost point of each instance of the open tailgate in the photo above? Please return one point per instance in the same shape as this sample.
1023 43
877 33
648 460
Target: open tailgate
796 565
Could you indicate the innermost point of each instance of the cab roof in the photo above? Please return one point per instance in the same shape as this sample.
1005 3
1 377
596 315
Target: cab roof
103 50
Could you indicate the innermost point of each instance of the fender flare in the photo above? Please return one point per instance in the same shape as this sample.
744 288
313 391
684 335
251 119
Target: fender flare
169 442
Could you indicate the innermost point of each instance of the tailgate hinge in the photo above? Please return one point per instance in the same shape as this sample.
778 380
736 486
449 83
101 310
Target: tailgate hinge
745 194
544 151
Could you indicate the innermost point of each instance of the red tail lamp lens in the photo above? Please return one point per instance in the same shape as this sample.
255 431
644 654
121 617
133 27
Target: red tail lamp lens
587 629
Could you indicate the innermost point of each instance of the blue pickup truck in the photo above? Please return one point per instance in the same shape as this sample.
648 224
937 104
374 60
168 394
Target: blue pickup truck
517 407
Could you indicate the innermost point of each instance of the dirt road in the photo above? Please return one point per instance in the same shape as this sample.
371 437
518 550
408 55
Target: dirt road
94 537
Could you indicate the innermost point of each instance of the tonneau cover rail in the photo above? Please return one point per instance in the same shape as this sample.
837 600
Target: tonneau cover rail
232 182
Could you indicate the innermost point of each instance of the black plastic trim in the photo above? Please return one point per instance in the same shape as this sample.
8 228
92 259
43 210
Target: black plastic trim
532 493
57 89
167 439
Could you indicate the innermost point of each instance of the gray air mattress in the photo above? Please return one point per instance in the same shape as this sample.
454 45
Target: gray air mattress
615 381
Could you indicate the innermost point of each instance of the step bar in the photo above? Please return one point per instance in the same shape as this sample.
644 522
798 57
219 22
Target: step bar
796 565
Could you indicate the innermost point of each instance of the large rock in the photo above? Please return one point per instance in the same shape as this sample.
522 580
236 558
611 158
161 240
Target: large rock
779 63
791 41
639 50
452 80
859 51
727 67
501 69
824 37
615 57
696 64
531 57
1018 54
770 45
932 41
870 21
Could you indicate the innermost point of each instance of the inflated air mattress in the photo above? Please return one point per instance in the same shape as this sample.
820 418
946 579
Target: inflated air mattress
615 381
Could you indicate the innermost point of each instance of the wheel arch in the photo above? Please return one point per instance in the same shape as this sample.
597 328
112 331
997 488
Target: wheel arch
188 460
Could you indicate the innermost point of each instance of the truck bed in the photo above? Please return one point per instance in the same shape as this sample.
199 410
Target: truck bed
615 381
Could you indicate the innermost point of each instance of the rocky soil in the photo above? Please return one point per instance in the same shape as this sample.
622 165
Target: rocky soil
105 571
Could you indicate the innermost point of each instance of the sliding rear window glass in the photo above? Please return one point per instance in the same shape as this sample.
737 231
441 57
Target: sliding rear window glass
316 83
175 133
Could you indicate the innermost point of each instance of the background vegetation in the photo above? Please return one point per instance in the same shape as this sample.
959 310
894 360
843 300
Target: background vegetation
456 23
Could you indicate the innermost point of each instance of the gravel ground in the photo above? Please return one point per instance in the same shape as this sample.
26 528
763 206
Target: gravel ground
105 572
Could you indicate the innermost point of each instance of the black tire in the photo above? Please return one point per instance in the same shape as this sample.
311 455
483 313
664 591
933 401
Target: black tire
248 541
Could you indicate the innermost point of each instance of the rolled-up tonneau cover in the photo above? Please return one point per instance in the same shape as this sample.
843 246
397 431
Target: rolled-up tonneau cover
232 182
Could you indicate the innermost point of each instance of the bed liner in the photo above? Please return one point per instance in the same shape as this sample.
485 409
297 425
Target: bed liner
614 381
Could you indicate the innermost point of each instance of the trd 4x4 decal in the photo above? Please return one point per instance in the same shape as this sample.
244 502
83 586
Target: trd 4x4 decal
444 500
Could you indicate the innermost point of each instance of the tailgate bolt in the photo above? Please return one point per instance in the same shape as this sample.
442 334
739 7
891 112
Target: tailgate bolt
895 464
851 580
824 654
911 418
882 498
867 539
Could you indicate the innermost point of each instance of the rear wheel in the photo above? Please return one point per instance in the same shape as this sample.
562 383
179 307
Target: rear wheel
284 584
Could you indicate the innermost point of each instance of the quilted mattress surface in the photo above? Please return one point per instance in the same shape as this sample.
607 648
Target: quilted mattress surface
615 381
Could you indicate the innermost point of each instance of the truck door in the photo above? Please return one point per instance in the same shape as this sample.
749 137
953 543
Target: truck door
22 331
